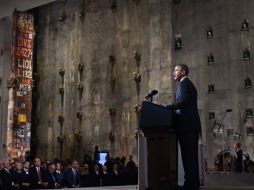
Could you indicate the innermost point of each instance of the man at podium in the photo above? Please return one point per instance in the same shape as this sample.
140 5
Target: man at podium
187 125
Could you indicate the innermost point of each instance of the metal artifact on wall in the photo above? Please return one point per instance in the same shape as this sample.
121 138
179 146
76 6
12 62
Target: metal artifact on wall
247 83
211 89
250 131
22 65
246 55
178 42
209 32
210 59
245 25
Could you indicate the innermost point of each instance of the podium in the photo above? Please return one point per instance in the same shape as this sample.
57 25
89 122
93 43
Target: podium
156 124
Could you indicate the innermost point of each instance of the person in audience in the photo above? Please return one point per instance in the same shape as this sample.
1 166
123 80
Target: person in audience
105 176
116 178
217 163
53 175
25 172
104 170
96 175
72 175
131 166
52 180
108 163
131 172
59 173
85 178
6 176
37 175
238 158
115 169
17 175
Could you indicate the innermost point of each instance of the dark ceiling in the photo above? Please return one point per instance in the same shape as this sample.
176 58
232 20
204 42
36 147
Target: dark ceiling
7 6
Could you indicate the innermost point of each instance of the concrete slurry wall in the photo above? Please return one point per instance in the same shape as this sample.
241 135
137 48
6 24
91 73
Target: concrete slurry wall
191 20
5 65
86 33
74 34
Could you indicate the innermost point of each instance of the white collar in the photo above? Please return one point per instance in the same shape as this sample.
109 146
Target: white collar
183 78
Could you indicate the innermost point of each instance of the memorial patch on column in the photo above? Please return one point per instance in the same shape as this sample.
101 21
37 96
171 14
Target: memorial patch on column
22 65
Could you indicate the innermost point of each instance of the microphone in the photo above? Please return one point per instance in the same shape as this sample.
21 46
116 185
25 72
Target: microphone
149 97
154 92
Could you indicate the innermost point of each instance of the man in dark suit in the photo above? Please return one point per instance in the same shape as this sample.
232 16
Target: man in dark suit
187 125
52 180
6 177
37 175
59 173
26 177
72 175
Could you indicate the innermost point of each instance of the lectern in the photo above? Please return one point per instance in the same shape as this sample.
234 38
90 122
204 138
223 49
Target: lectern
156 124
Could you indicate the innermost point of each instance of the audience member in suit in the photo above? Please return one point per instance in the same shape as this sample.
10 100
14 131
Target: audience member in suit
59 174
37 175
115 175
96 175
53 183
238 158
131 166
6 177
72 175
108 163
25 172
105 176
17 175
187 125
85 177
131 172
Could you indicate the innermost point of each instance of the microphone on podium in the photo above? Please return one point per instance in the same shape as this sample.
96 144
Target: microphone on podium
149 97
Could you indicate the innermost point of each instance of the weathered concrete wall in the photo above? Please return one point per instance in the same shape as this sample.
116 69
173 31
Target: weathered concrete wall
5 65
191 19
87 33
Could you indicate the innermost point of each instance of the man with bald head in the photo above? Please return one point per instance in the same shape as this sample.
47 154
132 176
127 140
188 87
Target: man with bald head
187 125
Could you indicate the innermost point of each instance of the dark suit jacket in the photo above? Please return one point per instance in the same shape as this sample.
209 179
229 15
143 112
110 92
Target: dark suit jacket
34 179
186 112
71 181
59 177
6 179
51 179
17 177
